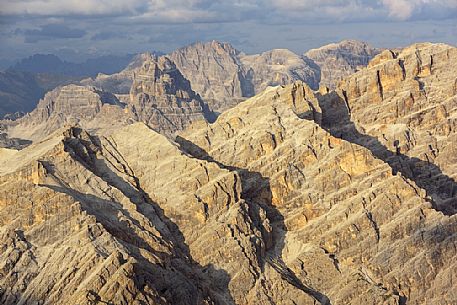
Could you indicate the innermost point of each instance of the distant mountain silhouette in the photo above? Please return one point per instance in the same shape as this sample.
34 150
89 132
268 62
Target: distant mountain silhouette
52 64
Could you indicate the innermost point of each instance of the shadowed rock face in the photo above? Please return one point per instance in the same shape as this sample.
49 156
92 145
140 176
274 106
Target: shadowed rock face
220 74
288 198
341 202
163 99
339 60
406 100
19 92
224 76
105 239
121 82
215 72
160 97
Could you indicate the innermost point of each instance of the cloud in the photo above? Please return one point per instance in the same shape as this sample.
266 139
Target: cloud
106 35
261 24
70 7
201 11
51 32
406 9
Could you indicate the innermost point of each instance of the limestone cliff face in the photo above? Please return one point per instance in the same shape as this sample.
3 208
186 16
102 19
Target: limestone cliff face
69 105
121 82
406 100
339 60
163 99
13 143
341 212
224 76
280 67
102 227
215 72
159 96
290 197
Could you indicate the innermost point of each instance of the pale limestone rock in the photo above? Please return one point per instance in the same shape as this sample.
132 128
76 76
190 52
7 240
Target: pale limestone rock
406 100
223 76
215 73
163 99
121 82
287 198
70 105
339 60
342 216
279 67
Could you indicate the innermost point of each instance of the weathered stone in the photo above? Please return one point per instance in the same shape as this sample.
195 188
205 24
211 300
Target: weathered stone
289 197
339 60
163 99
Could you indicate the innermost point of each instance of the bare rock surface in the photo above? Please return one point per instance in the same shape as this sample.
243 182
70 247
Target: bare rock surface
290 197
163 99
280 67
159 96
215 72
102 227
69 105
224 76
339 60
347 226
121 82
405 105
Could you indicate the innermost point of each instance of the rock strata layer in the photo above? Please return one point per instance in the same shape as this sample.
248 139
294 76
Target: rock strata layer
337 61
159 96
224 76
290 197
404 105
163 99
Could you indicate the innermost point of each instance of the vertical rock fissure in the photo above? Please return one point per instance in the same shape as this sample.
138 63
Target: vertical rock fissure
379 83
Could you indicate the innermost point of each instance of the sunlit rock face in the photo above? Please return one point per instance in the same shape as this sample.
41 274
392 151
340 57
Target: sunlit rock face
69 105
406 101
224 76
159 96
337 61
293 196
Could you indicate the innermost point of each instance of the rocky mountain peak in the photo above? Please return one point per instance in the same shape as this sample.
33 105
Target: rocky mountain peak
217 46
161 97
159 76
293 196
138 60
339 60
279 67
69 104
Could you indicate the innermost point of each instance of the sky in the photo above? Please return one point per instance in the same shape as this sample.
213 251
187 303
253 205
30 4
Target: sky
78 29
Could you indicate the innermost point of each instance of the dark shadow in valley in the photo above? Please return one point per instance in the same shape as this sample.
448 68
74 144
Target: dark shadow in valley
256 191
336 119
200 281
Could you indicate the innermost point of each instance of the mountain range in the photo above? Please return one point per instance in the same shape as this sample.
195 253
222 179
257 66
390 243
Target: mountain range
208 176
220 74
23 84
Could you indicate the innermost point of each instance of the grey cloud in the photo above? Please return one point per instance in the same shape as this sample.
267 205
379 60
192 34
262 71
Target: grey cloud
51 32
101 36
217 11
71 7
421 9
251 25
